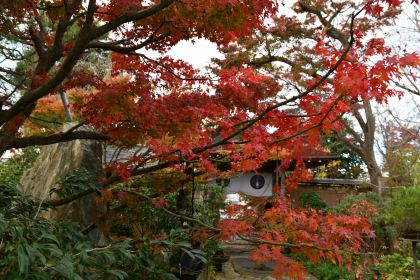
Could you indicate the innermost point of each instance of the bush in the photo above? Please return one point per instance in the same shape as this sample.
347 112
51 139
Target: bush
404 209
312 200
349 200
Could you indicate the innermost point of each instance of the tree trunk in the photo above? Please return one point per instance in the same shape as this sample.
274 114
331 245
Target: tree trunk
376 179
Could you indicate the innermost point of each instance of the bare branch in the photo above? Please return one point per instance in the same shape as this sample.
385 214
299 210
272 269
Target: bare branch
11 72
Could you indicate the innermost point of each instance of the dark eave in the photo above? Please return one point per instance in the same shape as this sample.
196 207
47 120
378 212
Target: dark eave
328 181
312 161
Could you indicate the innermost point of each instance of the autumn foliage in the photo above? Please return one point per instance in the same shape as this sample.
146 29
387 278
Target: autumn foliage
282 80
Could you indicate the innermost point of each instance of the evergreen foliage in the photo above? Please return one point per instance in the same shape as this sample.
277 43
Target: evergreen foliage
312 200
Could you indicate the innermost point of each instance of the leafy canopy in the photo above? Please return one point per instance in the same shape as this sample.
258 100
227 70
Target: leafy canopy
282 81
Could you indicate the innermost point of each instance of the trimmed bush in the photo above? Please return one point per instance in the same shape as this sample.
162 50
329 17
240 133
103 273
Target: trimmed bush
312 200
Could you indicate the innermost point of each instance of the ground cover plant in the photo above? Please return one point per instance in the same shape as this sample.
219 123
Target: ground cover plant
256 99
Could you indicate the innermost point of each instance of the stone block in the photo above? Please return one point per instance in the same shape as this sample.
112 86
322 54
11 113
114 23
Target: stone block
54 160
231 274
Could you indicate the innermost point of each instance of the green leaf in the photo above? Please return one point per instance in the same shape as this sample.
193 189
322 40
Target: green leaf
151 264
41 257
189 253
203 259
83 257
141 254
52 237
13 231
21 187
4 225
119 273
109 254
23 260
54 249
170 276
183 244
20 231
9 246
78 245
197 251
126 253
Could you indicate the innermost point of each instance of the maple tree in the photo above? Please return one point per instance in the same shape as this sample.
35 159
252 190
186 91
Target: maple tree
182 115
327 23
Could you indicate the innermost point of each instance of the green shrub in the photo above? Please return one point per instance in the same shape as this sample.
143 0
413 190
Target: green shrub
350 199
312 200
404 209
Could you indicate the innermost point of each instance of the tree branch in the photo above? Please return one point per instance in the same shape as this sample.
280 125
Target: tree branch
370 121
216 230
350 144
39 119
11 72
131 16
74 128
19 143
360 121
125 50
352 132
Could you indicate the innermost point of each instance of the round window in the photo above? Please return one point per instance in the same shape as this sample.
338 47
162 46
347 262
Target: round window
257 182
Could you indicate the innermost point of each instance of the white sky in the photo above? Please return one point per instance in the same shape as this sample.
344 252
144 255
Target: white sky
198 54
